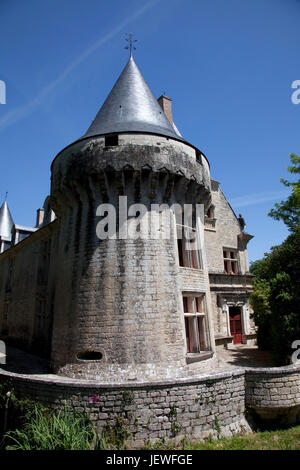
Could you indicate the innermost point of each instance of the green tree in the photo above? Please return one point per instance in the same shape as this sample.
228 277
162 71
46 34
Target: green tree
289 211
260 302
276 297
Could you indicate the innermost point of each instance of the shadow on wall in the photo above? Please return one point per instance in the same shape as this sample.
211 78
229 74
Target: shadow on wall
22 362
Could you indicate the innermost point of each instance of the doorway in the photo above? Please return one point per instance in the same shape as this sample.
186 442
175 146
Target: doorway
235 318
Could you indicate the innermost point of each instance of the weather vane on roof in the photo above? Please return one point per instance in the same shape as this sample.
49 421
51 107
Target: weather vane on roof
131 42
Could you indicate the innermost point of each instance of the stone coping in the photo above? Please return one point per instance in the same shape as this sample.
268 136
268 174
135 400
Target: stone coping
66 381
289 369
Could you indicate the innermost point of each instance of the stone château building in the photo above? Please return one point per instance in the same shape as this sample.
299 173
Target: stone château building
120 309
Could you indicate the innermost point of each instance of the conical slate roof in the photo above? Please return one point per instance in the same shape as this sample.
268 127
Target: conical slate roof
6 221
131 107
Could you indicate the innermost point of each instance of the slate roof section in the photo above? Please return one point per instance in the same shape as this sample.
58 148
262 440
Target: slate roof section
131 107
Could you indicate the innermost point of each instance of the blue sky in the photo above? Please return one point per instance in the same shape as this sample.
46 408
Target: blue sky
228 66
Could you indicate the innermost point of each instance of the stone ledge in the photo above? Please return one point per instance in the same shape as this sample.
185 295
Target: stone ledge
290 369
190 358
60 381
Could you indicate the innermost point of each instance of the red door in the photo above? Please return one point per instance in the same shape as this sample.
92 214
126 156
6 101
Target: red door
235 324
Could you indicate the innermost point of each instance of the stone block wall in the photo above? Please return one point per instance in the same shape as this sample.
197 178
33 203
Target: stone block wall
188 408
193 408
224 234
121 298
274 393
27 289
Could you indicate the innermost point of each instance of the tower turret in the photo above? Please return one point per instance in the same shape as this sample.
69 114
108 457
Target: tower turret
6 224
120 308
6 221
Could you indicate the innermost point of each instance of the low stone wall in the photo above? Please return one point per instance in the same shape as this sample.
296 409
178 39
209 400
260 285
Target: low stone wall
274 394
192 408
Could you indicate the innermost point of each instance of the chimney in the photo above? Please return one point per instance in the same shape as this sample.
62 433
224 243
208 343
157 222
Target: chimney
166 105
39 217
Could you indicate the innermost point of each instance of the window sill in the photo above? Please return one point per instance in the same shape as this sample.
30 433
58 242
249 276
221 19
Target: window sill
196 357
189 267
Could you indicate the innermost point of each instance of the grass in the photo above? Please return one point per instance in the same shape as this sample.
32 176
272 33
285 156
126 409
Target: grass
53 431
285 439
288 439
48 430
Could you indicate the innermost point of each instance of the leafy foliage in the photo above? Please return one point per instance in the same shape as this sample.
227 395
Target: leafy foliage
276 298
289 211
114 436
262 312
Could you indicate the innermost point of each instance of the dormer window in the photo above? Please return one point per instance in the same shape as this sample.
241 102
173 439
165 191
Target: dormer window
210 218
111 140
230 261
210 213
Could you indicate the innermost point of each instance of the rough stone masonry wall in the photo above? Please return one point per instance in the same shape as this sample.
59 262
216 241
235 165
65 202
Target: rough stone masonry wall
195 407
27 288
274 393
119 299
191 408
223 235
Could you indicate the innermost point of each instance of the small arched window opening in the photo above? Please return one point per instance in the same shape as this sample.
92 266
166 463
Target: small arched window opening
89 356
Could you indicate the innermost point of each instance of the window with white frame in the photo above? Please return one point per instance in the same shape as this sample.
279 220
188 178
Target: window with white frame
189 253
230 261
196 324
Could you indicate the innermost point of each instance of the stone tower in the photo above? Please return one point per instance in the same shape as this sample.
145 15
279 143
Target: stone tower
120 302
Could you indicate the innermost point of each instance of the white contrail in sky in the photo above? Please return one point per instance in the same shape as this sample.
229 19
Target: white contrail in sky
258 198
23 111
